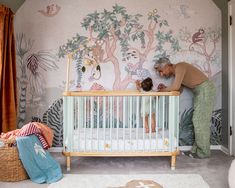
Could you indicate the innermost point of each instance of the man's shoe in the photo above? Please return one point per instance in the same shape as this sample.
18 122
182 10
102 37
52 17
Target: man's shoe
190 154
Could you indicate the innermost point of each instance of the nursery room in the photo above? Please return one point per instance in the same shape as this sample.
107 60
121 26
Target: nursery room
117 93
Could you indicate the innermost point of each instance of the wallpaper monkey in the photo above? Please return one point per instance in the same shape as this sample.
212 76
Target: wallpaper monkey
51 10
198 36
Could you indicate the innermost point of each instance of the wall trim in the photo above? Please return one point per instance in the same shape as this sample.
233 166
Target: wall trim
55 149
225 150
212 147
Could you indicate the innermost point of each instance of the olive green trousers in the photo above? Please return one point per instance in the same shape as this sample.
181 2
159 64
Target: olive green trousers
204 96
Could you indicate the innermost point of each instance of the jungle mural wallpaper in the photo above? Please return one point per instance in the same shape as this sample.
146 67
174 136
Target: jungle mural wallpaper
112 44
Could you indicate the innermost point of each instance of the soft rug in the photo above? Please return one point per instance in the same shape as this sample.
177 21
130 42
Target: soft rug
131 181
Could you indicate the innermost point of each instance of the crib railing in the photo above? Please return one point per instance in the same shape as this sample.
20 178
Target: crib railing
121 123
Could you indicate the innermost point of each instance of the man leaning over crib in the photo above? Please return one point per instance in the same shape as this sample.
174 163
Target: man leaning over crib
203 90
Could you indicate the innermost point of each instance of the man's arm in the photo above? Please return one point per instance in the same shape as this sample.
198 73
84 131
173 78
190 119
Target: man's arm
138 85
181 89
179 75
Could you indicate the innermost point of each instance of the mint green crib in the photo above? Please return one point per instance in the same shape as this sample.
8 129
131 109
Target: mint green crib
113 123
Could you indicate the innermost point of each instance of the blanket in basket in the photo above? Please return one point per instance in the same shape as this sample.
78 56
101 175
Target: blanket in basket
38 163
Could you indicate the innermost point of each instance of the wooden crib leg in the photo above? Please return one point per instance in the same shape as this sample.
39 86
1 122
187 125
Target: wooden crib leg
68 162
173 162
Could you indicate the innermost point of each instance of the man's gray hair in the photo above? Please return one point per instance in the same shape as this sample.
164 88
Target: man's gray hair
161 62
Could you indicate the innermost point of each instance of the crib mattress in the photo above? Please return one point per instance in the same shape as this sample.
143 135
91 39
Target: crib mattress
120 133
121 140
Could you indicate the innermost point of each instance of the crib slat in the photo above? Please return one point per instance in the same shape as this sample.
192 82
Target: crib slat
97 123
71 120
81 126
156 121
173 124
143 114
92 121
68 126
150 122
83 119
130 121
163 121
117 140
124 122
85 122
79 121
177 121
74 115
110 119
137 122
104 121
171 121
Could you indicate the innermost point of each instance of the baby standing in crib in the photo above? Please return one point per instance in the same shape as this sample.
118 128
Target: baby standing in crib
146 85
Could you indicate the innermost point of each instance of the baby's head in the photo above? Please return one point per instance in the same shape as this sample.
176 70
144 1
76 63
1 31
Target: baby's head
147 84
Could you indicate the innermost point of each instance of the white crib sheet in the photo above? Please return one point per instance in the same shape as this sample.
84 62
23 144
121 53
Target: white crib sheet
134 140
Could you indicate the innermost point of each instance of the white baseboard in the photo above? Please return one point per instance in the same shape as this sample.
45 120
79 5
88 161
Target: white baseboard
188 148
225 150
185 148
215 147
182 148
55 149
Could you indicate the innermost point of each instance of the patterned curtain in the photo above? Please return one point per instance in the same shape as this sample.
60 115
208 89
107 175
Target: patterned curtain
8 98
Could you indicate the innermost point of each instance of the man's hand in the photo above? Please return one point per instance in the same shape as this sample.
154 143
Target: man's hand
138 85
161 86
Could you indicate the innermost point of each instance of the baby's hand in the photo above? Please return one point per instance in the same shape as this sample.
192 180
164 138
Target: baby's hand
138 85
161 86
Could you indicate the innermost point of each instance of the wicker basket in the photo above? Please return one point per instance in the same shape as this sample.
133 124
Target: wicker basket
11 168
